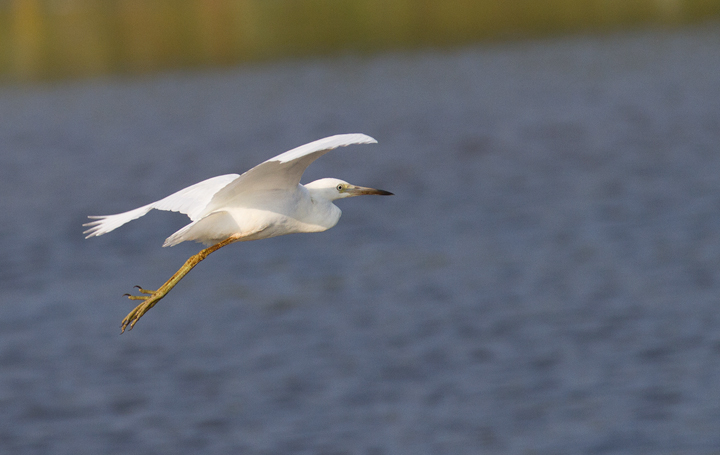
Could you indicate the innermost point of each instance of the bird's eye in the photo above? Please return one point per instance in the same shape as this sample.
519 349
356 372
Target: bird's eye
339 187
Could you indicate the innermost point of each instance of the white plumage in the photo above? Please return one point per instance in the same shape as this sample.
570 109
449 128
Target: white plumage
266 201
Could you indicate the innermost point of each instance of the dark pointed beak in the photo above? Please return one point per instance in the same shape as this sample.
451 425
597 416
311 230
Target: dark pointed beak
361 190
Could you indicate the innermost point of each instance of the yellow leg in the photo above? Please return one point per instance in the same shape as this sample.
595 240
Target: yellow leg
154 297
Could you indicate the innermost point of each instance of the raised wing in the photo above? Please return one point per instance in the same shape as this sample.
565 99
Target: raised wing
284 171
191 201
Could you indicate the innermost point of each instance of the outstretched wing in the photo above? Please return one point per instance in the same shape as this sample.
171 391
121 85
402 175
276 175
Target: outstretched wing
284 171
190 201
197 201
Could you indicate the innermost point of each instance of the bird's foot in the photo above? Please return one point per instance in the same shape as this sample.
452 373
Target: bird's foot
150 298
139 297
149 301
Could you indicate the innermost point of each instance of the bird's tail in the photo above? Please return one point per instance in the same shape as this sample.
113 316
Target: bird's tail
107 223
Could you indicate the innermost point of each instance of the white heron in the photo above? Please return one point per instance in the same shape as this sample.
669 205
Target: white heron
266 201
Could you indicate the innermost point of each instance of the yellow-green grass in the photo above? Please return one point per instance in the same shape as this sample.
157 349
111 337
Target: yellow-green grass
42 39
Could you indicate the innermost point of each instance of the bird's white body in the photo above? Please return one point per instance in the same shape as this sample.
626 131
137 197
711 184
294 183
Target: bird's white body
267 214
266 201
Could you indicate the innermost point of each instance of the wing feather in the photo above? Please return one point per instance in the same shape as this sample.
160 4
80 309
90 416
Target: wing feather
190 201
284 171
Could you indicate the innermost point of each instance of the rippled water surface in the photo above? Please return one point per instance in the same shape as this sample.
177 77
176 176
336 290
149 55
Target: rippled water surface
546 279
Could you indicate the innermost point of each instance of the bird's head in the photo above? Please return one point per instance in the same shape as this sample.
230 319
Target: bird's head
332 189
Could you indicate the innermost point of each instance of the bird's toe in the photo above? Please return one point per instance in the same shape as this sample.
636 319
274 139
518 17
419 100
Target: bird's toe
144 291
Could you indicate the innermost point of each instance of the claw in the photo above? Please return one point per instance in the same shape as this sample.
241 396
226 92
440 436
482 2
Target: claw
149 301
139 297
153 297
144 291
135 315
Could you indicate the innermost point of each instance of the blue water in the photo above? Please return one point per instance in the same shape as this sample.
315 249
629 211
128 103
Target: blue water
546 279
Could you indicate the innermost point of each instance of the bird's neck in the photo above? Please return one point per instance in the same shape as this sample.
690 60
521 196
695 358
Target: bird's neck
323 212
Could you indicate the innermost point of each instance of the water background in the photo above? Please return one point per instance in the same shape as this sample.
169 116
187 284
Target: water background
545 280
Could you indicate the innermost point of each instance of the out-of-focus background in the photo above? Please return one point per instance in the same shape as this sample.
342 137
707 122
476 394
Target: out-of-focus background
67 38
545 281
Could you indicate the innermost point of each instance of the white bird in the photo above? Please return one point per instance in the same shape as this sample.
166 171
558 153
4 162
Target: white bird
266 201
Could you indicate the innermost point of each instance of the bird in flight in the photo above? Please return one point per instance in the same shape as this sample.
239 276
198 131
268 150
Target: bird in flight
266 201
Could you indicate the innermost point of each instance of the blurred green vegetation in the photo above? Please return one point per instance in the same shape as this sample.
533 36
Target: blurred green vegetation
41 39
